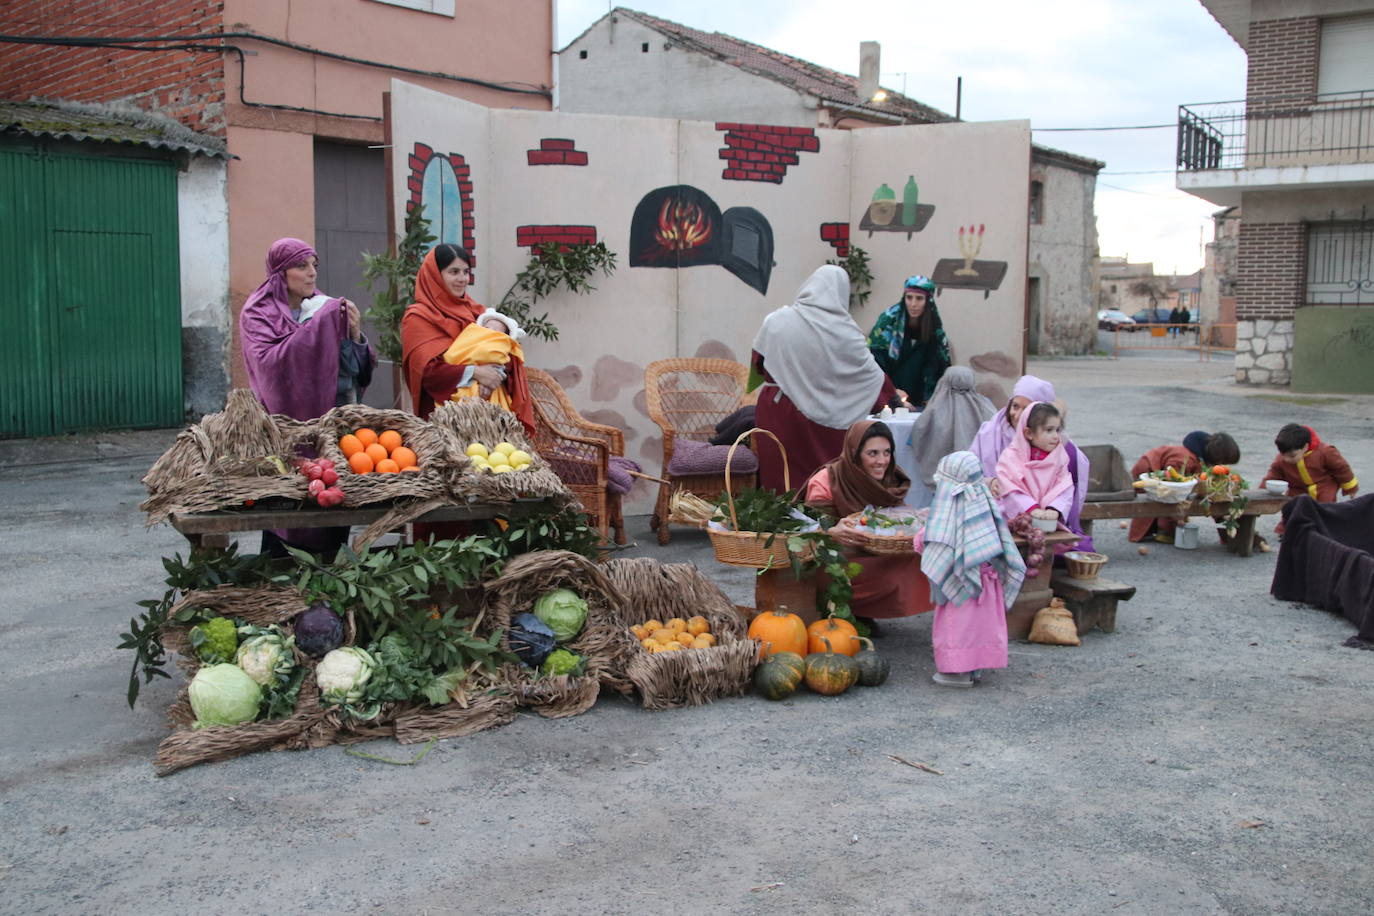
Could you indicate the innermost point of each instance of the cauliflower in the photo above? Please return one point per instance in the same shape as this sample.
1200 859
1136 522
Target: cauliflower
343 676
215 640
265 655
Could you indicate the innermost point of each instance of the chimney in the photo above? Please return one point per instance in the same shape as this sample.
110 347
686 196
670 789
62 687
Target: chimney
868 69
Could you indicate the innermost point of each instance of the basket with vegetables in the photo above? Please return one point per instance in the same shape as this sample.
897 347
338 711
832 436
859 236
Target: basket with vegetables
249 653
761 523
580 645
888 532
1168 486
721 657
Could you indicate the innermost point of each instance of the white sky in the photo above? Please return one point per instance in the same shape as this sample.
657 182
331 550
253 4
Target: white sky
1060 63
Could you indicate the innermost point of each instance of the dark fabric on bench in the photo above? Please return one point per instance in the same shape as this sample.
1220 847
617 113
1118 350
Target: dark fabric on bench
1327 560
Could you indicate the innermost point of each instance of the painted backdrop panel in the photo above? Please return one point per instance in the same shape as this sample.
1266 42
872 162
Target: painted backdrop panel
714 224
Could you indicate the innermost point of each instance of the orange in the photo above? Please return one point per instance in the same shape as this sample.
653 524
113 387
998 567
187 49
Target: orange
677 625
404 457
686 639
365 436
376 453
360 463
652 624
387 466
350 445
698 625
414 470
390 440
704 641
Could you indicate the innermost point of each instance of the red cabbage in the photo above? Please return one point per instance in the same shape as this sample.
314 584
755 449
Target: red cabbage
319 631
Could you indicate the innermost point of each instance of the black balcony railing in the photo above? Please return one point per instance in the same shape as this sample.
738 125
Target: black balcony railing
1275 131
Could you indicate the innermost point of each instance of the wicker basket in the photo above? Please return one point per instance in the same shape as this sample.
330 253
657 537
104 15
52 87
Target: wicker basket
889 545
691 677
755 549
433 451
1084 564
603 642
474 420
263 607
219 462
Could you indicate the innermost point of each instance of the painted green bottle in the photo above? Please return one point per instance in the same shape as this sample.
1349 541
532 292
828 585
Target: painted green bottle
910 195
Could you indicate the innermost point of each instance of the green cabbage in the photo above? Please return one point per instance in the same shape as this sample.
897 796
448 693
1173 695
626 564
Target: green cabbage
215 640
563 612
224 695
561 661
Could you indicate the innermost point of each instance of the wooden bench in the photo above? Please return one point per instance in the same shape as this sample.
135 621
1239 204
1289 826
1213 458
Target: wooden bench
1092 601
1261 502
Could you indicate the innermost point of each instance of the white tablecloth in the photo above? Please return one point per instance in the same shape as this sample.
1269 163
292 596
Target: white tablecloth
919 495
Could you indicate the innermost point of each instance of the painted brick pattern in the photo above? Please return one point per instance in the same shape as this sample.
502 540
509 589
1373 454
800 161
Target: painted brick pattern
1271 263
837 234
563 236
760 152
1282 60
554 151
186 85
418 159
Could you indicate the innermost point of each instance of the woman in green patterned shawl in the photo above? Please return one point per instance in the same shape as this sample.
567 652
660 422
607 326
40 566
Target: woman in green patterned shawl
909 342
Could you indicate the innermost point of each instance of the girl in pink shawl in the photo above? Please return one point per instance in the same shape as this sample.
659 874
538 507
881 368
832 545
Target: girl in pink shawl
996 434
1033 471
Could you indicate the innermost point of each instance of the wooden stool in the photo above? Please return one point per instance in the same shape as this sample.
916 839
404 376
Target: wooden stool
1092 601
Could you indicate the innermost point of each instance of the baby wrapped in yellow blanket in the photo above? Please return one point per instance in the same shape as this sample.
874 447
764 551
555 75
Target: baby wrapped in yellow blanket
492 340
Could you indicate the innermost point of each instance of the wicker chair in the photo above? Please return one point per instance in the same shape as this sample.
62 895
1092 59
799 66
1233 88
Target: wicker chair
687 398
578 450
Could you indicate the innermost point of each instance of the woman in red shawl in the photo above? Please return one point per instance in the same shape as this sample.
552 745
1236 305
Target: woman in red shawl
863 475
441 310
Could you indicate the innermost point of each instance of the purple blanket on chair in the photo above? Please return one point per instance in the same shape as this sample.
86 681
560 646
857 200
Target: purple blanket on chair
618 479
698 459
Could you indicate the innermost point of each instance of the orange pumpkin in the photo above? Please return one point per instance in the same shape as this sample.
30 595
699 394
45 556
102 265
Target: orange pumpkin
1220 470
844 639
779 631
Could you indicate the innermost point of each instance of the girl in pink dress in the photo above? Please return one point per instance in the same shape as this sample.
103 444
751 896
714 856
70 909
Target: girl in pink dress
974 569
1033 470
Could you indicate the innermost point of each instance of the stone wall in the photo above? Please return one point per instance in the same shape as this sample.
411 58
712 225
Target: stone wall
1264 351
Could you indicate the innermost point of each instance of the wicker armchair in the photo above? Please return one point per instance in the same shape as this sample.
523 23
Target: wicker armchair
687 398
578 450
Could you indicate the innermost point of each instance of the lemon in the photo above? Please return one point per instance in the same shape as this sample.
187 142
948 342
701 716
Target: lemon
519 456
504 448
497 459
521 466
477 449
501 469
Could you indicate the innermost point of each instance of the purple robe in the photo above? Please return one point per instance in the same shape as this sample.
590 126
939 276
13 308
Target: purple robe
293 368
994 436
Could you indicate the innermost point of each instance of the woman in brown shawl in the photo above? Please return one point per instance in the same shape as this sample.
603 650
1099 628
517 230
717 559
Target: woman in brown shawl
441 310
863 475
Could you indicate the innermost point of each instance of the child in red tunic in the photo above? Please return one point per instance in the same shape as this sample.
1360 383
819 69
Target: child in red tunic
1309 465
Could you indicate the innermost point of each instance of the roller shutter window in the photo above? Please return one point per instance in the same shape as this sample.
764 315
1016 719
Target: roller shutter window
1346 64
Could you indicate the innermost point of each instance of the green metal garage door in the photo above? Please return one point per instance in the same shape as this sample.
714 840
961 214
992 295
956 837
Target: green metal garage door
90 304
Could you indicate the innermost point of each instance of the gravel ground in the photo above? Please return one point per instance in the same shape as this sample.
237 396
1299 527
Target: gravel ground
1203 758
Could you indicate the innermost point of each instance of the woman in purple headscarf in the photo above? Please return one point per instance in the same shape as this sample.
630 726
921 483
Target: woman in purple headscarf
305 353
294 346
996 434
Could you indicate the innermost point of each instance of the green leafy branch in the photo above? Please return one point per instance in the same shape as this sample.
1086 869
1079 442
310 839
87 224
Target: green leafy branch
396 275
552 267
857 265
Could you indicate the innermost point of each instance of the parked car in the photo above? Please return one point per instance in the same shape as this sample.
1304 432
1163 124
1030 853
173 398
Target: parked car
1111 319
1151 316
